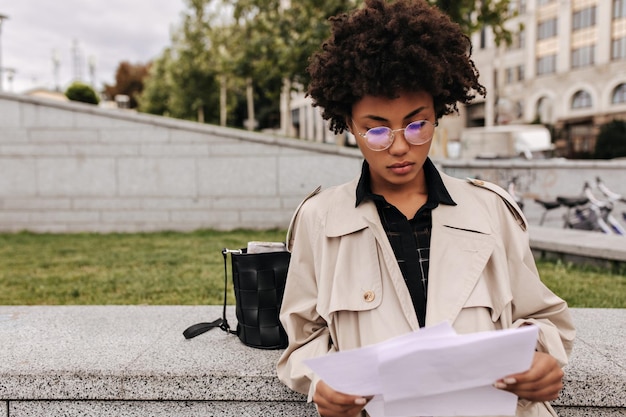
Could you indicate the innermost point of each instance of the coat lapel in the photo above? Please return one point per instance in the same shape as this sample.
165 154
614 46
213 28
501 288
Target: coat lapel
461 245
341 222
460 248
343 217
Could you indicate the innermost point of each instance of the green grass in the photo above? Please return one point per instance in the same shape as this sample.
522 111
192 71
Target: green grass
589 287
143 268
170 268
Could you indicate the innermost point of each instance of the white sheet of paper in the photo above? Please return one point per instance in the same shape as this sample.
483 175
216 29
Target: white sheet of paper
456 363
356 371
433 371
481 401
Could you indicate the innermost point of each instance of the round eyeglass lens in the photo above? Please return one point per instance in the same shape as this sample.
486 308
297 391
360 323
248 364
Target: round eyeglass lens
378 137
418 132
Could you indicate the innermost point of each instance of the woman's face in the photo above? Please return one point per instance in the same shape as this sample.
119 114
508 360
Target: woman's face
399 167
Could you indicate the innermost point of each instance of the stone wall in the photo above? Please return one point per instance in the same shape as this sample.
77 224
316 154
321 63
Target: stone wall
76 167
70 167
547 179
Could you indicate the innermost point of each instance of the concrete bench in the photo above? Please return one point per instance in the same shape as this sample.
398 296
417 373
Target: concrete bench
134 361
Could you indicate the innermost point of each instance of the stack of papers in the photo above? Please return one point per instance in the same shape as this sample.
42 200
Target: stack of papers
433 372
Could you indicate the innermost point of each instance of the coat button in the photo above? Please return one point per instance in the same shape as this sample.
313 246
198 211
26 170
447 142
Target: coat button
369 296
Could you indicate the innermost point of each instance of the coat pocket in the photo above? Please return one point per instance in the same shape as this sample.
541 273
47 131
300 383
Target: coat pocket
493 299
355 279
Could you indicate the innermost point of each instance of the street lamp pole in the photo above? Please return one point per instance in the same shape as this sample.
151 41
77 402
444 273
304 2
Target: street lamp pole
2 18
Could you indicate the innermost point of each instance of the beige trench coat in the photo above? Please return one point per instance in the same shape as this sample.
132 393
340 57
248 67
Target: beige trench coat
345 289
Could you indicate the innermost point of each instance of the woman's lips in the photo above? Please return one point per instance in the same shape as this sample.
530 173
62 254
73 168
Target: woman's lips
401 167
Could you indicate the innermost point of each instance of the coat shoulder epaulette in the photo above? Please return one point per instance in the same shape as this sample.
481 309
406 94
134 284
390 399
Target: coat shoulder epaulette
506 197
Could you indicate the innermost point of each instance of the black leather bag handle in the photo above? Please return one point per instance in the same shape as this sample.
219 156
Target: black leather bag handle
222 323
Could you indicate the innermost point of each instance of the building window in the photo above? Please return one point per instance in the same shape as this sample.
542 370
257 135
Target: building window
618 48
544 2
584 18
522 7
483 38
581 100
619 9
619 94
546 65
512 7
514 74
509 76
547 29
518 40
544 110
518 7
520 73
582 138
519 109
583 57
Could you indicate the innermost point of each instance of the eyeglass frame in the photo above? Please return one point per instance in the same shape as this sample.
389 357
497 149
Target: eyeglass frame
392 134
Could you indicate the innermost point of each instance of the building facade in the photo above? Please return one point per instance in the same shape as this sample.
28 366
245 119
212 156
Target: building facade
565 68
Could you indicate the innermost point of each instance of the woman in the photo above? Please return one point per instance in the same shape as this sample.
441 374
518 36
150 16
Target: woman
405 246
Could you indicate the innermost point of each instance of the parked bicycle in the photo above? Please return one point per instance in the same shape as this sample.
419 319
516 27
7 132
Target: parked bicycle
608 223
569 202
611 195
585 212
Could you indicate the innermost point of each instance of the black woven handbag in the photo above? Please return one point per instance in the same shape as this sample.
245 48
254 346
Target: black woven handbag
259 283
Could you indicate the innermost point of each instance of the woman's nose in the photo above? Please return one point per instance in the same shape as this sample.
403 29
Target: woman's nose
399 144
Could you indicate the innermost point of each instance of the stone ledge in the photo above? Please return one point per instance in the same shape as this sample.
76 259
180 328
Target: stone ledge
133 360
579 246
158 409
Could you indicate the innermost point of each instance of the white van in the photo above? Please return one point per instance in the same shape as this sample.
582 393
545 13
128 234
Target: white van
504 141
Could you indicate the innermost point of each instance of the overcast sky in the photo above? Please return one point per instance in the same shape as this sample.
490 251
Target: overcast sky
80 32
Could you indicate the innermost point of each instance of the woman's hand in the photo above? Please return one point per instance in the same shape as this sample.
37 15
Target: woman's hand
331 403
542 382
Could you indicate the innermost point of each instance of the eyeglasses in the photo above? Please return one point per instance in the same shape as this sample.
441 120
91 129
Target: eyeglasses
381 137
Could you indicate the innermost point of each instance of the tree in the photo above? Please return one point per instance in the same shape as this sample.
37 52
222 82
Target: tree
195 89
474 15
227 44
279 39
129 81
184 84
282 38
154 97
82 92
260 50
611 141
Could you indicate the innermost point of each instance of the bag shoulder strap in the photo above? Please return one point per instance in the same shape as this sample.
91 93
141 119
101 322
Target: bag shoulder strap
222 323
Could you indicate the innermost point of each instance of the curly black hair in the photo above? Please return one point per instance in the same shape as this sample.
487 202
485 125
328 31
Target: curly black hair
386 48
